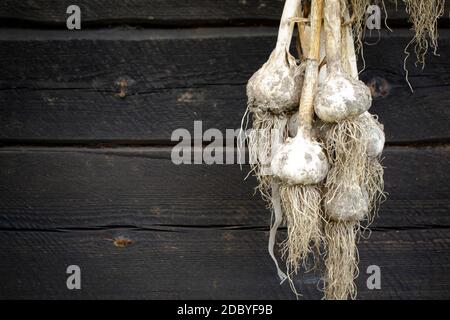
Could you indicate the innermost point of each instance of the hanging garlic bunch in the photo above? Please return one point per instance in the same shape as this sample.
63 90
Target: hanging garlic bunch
319 167
353 142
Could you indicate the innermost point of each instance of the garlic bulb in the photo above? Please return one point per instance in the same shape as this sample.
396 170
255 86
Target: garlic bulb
277 85
349 203
375 136
300 161
340 96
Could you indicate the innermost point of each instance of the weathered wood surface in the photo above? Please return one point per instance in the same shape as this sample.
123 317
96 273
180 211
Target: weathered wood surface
140 187
137 86
154 12
164 12
212 263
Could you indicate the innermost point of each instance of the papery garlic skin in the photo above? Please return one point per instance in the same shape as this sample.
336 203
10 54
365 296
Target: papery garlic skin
300 161
349 203
375 136
276 87
341 97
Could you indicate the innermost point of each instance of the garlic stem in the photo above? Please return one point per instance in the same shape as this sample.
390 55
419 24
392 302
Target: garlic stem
303 33
332 25
286 28
306 110
352 65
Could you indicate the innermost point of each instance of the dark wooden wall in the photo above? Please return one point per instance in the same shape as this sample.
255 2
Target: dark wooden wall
85 124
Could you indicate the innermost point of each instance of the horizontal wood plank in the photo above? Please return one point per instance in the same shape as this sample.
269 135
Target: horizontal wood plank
205 264
153 12
140 85
140 187
163 12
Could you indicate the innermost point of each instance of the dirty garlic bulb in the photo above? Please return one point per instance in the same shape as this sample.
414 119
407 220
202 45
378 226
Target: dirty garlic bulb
375 135
277 85
350 203
341 96
300 161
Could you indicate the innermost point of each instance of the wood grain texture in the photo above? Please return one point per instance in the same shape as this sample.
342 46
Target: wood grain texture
140 187
163 12
145 12
140 85
179 263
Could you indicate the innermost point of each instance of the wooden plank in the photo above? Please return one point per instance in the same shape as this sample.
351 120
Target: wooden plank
412 264
153 12
140 85
162 12
175 263
94 188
